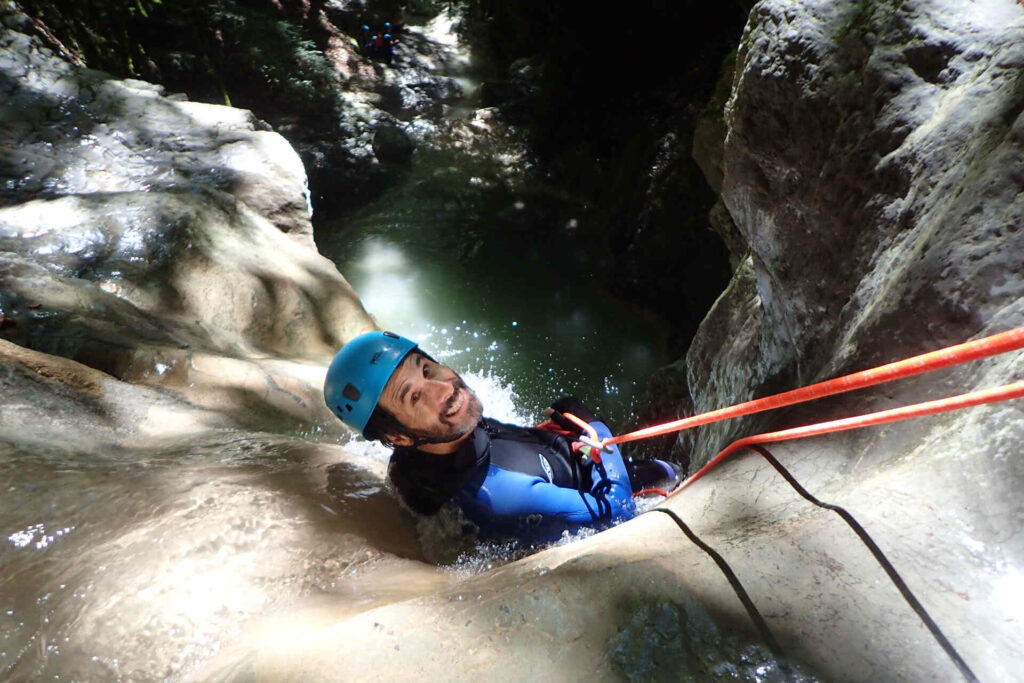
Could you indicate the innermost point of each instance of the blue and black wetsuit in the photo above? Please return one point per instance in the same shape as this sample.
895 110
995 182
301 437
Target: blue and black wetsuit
517 482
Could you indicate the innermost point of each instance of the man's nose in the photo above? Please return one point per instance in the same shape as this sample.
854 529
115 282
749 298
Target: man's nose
438 390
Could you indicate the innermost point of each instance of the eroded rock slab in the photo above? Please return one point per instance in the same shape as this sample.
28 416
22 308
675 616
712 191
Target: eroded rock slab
141 232
872 165
67 130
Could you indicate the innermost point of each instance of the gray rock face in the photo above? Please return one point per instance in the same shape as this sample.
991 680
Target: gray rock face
350 164
873 165
134 219
164 318
870 165
67 130
201 262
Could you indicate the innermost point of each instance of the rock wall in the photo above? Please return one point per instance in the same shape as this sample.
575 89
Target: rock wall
872 166
165 325
154 238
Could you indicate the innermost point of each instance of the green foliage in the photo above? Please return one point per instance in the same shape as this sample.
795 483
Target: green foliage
245 52
140 6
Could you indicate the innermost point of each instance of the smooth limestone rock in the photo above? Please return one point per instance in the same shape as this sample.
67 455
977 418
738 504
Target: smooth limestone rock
165 323
140 233
153 529
201 258
78 131
872 164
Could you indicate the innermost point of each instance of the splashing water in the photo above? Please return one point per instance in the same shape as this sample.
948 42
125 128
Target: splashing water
442 537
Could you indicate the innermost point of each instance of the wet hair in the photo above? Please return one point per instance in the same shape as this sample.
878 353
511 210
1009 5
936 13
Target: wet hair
383 423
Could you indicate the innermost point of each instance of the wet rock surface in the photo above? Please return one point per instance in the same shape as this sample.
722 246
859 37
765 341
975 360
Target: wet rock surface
916 204
882 208
165 325
71 131
348 159
185 223
166 321
871 164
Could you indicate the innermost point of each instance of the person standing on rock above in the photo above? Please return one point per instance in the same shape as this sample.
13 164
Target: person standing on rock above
379 46
388 51
510 481
366 41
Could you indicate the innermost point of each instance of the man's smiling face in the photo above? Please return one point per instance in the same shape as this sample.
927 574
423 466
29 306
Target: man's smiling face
431 401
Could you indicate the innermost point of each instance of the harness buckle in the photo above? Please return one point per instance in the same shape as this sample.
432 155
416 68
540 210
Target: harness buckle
589 439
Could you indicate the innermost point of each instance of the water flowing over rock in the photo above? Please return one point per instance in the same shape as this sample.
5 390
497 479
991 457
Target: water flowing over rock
163 312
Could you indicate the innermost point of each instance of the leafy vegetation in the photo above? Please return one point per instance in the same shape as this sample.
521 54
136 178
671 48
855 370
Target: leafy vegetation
242 52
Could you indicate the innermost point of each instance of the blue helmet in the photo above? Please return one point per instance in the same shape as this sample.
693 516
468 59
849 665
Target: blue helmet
358 373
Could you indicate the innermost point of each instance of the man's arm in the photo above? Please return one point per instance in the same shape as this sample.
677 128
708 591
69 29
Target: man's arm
505 493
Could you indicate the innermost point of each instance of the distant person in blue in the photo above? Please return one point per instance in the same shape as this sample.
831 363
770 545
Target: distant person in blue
380 45
510 481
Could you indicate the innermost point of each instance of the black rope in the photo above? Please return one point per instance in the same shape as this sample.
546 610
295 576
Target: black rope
741 593
883 561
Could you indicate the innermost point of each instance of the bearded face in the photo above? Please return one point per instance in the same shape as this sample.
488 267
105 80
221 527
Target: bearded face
431 401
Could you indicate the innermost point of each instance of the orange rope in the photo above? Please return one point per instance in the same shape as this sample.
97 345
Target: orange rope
1010 340
974 398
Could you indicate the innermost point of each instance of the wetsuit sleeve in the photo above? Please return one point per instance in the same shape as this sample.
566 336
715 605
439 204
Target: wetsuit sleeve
504 493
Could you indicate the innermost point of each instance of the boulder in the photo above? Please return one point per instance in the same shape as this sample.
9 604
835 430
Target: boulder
392 144
79 131
137 227
201 259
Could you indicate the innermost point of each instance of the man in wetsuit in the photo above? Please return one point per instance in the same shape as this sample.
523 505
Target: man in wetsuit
510 481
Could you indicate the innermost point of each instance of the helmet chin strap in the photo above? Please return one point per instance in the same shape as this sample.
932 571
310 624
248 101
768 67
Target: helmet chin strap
424 441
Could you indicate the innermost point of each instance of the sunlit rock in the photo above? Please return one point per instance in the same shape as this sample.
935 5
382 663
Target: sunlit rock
79 131
871 163
199 519
163 224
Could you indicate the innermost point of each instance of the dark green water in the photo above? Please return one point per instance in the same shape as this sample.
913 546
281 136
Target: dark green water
488 274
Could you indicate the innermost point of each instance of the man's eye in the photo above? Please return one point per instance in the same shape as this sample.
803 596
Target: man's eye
415 397
426 370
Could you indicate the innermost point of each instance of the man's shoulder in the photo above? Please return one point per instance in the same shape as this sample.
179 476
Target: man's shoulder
499 429
425 481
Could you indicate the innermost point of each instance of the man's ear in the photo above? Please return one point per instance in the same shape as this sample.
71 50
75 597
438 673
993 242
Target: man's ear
402 440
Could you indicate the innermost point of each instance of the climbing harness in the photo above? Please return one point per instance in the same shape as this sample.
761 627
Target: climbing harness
1011 340
592 446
